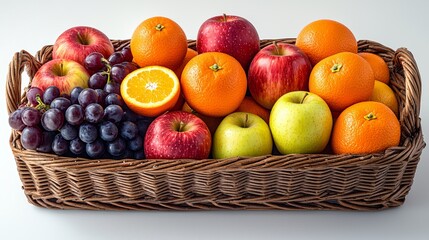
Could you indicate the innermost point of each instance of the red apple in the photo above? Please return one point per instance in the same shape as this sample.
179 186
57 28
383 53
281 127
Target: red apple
275 70
77 42
177 135
232 35
62 73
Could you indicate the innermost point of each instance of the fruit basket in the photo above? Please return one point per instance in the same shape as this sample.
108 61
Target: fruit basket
286 182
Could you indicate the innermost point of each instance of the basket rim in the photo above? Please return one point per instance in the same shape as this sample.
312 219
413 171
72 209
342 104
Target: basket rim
367 45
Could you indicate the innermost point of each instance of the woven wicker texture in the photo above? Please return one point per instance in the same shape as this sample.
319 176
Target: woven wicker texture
288 182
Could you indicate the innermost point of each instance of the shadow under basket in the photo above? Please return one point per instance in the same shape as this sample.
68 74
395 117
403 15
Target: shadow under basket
286 182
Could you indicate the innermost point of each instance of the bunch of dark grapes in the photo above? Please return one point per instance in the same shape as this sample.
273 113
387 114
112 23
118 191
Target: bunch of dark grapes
107 74
92 122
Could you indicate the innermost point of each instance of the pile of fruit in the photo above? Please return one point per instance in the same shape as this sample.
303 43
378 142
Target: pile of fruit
159 99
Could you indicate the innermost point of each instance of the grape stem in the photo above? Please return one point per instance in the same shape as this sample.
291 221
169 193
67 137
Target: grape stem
41 105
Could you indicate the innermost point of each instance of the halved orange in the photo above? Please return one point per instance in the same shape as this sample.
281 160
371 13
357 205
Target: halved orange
150 91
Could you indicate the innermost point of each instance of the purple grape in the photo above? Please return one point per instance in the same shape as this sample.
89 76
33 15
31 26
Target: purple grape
60 103
74 114
31 138
113 113
114 98
130 116
15 120
117 147
126 52
97 80
95 149
118 73
32 95
69 132
112 87
60 146
52 119
136 144
94 113
116 58
87 96
74 95
88 132
94 62
128 130
30 117
50 94
108 131
76 146
130 66
143 124
101 96
47 139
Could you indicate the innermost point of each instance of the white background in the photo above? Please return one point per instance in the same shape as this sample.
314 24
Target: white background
33 24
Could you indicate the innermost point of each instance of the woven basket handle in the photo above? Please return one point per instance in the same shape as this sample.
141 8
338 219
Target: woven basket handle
21 60
406 65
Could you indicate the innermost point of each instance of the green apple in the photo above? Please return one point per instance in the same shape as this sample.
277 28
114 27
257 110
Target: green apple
242 134
300 122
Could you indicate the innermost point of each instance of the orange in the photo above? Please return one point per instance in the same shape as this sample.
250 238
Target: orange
151 90
159 41
323 38
251 106
378 65
342 80
211 122
365 127
189 55
213 84
384 94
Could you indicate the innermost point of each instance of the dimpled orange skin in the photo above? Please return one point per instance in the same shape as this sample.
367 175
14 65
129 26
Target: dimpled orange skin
323 38
365 127
159 41
213 84
378 65
342 80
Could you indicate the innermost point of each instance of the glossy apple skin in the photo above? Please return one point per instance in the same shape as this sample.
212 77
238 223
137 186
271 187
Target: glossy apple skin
62 73
300 126
77 42
164 140
273 73
236 36
233 138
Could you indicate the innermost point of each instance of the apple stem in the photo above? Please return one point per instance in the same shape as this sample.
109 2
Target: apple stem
181 126
224 17
277 48
41 105
302 100
246 121
215 67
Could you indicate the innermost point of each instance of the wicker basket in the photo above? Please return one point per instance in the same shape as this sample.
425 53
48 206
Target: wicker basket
288 182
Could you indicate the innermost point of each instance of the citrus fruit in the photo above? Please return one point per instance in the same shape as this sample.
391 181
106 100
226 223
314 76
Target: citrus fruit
365 127
249 105
213 84
323 38
151 90
158 41
190 53
342 80
378 65
384 94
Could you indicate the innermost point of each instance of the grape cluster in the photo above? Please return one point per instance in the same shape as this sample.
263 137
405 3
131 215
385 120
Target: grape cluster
91 122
